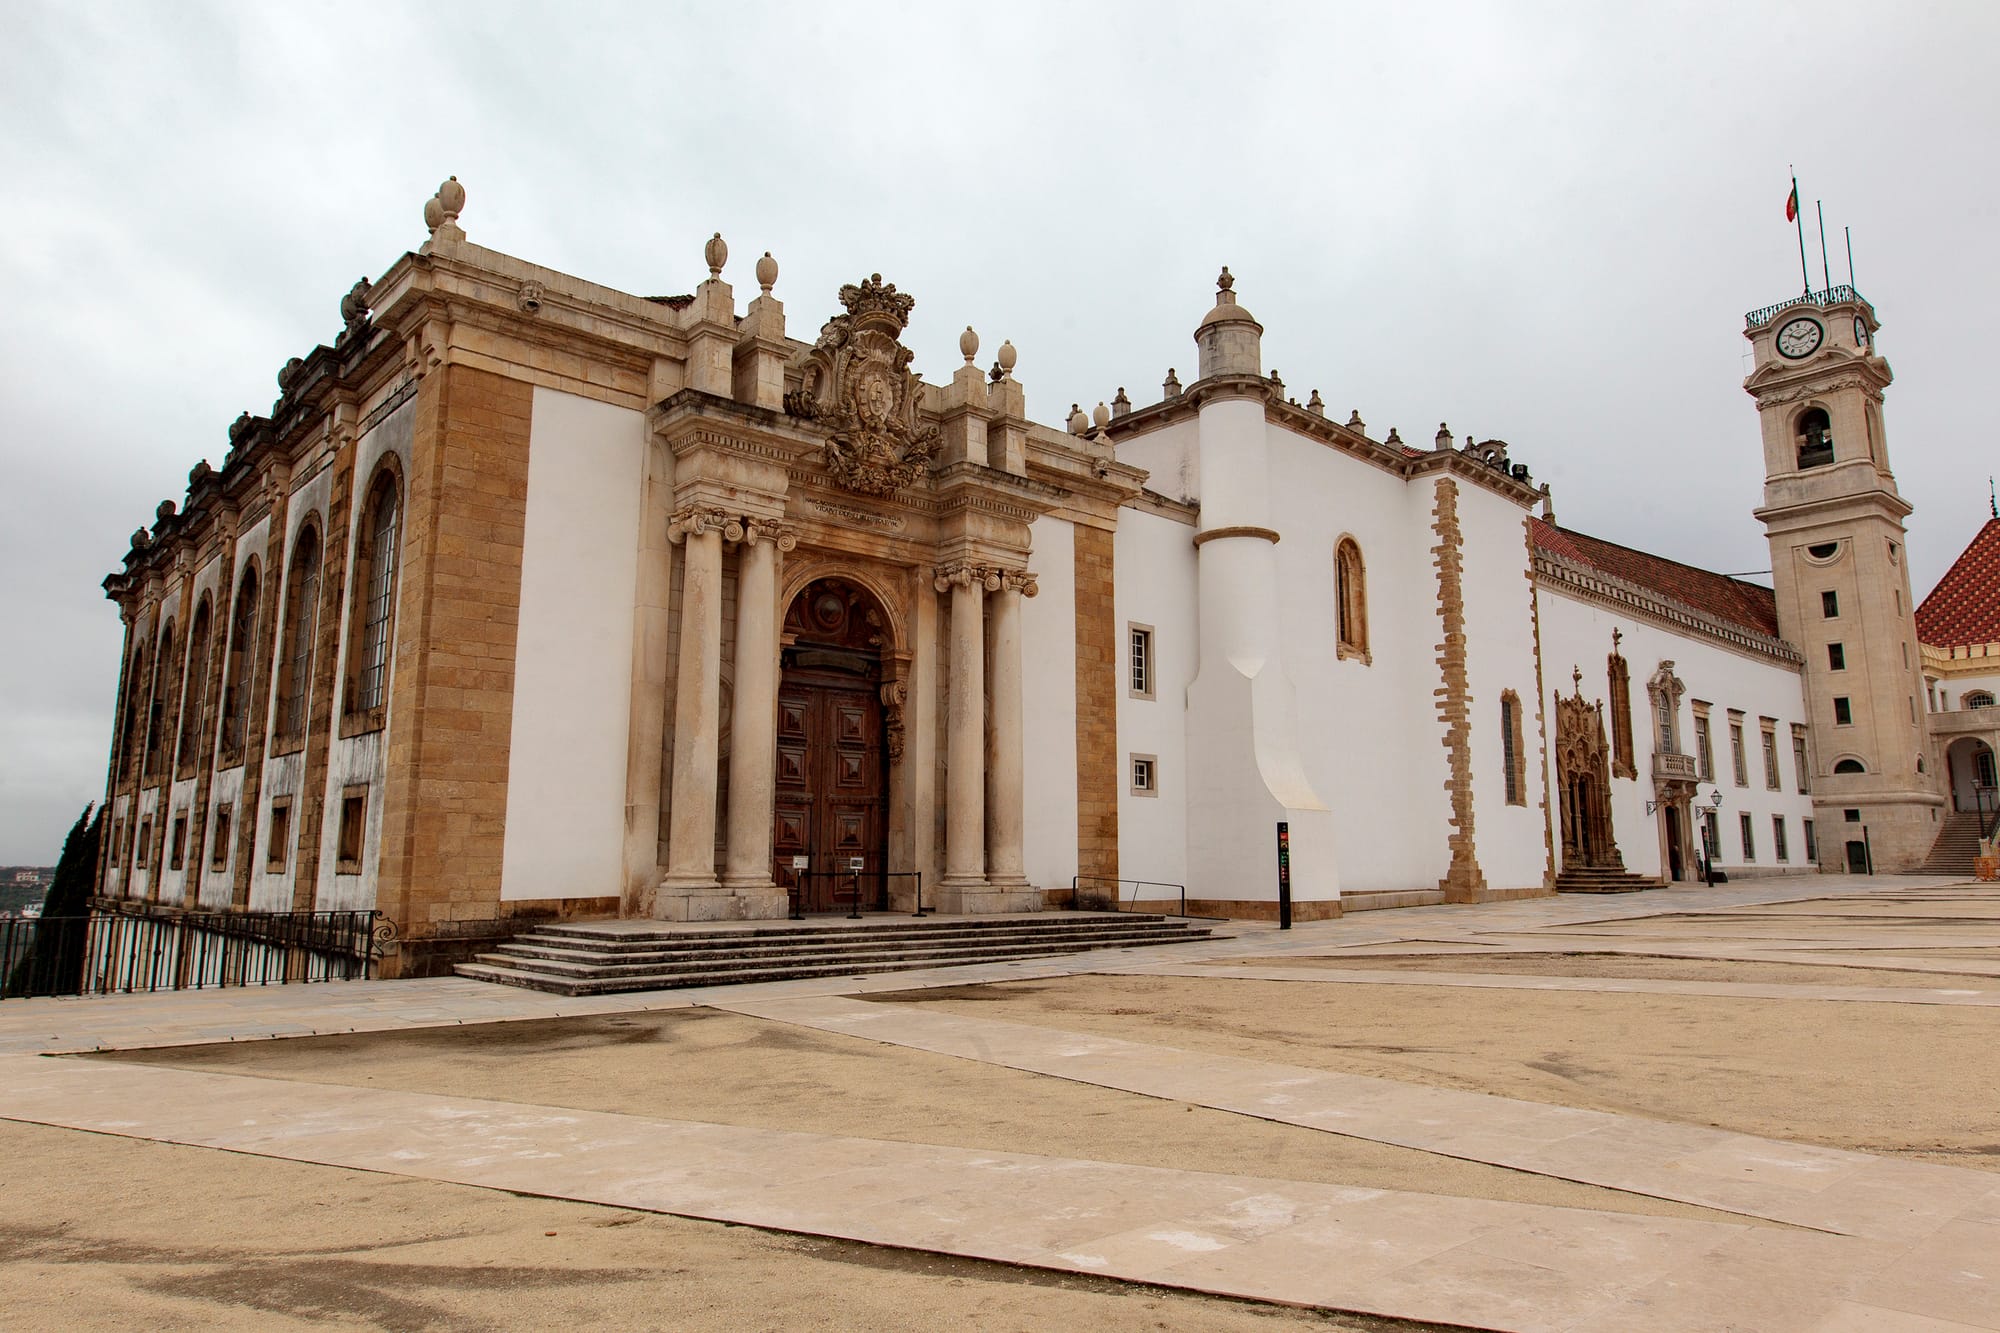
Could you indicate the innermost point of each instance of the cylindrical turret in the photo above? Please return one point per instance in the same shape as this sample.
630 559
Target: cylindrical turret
1230 338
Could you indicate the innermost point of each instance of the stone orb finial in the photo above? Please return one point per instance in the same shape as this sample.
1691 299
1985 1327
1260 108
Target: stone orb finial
1354 422
716 252
451 198
238 426
165 511
433 214
1007 356
1078 422
1225 282
140 537
1170 387
1394 437
1100 416
968 344
1443 440
767 272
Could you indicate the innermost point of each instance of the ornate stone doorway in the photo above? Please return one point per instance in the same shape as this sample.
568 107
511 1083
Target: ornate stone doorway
832 778
1583 776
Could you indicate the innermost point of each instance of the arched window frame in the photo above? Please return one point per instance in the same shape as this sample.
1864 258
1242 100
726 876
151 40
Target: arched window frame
372 591
239 675
1513 750
1977 699
295 648
156 704
1350 593
1848 764
194 694
1813 441
136 686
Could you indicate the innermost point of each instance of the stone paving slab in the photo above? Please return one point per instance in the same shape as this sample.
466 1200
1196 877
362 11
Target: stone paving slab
1805 1185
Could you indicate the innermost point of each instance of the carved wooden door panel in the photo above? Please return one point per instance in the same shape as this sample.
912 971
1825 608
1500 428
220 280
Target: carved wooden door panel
831 803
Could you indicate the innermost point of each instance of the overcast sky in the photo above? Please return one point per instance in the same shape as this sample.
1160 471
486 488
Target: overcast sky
1537 222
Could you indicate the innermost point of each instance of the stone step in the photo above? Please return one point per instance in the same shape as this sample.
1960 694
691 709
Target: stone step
1597 879
676 947
518 955
872 925
1375 900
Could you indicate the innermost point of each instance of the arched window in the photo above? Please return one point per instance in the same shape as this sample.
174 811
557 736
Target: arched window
301 619
1350 587
238 673
196 703
135 691
1850 766
156 707
1814 438
1512 753
1622 763
374 583
1979 699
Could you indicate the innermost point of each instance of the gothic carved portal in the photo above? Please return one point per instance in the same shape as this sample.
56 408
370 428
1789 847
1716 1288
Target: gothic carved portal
1583 771
857 382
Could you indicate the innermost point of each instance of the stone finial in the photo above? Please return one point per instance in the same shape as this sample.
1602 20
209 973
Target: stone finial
1315 404
767 271
1443 440
716 252
238 426
1394 437
288 374
164 511
1078 422
1355 423
1006 359
1278 383
1224 282
968 344
140 537
1121 404
1100 416
444 206
354 305
1171 386
198 472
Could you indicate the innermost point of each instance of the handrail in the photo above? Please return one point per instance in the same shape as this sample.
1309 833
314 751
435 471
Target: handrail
1829 296
1118 898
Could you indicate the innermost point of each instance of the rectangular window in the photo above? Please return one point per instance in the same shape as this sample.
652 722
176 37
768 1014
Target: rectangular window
1736 751
1711 832
1770 755
1829 604
1145 775
1812 843
118 842
1142 661
145 841
1799 760
278 850
1749 832
1843 711
1704 746
218 854
1836 657
1778 848
1851 816
178 847
353 829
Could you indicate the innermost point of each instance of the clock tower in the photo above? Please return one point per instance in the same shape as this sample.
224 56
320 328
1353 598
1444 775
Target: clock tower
1835 523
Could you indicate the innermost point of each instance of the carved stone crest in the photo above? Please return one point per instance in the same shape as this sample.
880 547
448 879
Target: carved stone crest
857 382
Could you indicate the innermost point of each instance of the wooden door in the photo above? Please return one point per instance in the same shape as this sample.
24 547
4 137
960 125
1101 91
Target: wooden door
831 801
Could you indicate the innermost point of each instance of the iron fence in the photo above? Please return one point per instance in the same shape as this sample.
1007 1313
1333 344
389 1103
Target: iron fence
1118 901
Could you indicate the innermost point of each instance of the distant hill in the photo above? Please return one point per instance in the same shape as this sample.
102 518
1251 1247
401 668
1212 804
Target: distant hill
14 896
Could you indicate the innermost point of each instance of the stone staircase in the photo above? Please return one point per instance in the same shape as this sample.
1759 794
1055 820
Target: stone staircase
598 958
1957 845
1595 879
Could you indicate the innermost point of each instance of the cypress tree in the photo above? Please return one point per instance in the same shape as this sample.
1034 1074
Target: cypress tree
53 965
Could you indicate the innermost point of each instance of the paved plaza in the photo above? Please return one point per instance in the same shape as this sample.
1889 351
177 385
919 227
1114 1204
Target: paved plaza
1762 1106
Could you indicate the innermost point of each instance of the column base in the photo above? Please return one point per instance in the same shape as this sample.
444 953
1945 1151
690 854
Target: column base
709 901
979 897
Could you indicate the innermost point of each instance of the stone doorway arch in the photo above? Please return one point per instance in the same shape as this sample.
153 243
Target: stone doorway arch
1583 780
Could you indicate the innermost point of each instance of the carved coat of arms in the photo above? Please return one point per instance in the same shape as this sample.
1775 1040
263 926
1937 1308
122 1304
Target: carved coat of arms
857 382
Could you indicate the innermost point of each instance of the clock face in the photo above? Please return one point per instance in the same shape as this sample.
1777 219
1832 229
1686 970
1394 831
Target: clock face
1860 332
1800 338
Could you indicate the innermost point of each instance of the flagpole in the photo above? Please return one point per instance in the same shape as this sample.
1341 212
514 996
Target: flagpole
1824 273
1804 272
1850 255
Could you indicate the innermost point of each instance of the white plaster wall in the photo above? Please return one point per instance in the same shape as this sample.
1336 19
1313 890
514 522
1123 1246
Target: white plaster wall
1368 735
1048 687
1500 656
1154 559
218 882
573 661
1953 689
1577 635
360 760
1170 459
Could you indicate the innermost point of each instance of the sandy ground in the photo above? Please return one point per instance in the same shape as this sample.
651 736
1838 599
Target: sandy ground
1647 967
1913 1080
106 1233
703 1064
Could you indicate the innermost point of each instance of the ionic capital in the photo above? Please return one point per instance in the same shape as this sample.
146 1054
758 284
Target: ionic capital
784 536
960 574
1018 580
693 520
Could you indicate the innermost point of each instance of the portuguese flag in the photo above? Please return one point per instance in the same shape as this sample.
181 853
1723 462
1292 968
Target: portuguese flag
1792 203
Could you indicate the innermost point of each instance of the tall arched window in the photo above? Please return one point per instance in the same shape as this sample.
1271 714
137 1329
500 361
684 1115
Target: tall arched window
301 620
1814 438
1622 763
1350 581
238 672
135 693
1512 753
374 583
156 707
196 703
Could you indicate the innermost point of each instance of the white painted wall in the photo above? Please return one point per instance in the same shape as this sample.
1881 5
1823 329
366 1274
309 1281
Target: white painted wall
1048 688
1170 457
1577 635
1154 560
573 660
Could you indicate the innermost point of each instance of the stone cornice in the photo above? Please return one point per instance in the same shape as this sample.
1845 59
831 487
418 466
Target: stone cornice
1152 502
1201 539
1593 585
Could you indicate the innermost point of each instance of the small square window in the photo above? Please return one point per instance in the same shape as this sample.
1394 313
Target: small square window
277 851
1145 775
1851 816
1141 646
1836 657
353 829
218 852
1843 711
1829 604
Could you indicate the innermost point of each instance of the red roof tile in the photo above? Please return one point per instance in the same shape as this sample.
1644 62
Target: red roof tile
1964 608
1748 605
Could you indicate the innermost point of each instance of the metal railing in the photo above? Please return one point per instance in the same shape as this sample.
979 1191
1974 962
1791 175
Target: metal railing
847 889
127 947
1118 901
1831 296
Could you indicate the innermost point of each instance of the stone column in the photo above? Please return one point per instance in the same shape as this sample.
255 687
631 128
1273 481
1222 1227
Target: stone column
964 885
1006 868
689 892
753 746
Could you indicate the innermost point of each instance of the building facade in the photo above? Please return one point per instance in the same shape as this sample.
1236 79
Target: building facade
529 597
